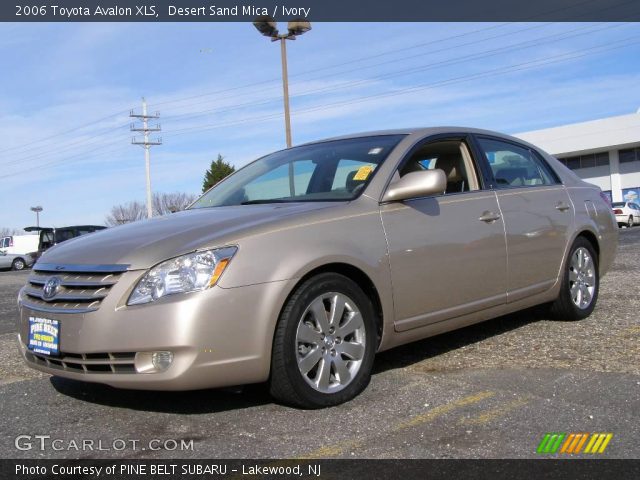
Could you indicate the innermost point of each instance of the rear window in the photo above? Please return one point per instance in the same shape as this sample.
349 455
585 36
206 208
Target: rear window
618 204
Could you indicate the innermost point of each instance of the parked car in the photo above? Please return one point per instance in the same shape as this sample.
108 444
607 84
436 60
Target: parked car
19 244
50 236
627 213
15 261
299 267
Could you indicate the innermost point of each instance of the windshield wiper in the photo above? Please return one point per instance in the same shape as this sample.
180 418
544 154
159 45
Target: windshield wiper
268 200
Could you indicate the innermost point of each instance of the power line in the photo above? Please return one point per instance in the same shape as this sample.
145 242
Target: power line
419 87
66 132
66 147
440 40
485 74
71 159
464 58
89 141
350 62
80 127
333 105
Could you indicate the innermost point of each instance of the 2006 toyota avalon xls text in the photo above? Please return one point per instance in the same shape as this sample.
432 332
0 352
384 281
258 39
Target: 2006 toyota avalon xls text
299 267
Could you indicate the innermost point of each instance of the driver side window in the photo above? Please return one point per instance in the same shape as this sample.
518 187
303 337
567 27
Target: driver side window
451 156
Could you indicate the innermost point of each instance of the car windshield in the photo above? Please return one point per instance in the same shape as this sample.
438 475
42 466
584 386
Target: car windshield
618 204
336 170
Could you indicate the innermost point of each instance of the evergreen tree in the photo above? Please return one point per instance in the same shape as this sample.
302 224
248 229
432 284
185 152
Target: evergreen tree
219 169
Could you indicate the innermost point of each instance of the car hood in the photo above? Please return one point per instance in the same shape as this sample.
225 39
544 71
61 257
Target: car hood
145 243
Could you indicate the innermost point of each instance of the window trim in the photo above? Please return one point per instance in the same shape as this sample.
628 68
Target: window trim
556 179
465 138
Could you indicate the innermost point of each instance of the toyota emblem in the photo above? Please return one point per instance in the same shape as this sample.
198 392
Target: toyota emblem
51 288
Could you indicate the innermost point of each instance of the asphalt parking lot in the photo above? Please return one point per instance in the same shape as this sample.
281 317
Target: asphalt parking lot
488 391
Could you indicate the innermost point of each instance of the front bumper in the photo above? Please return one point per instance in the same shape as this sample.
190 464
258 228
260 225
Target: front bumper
218 337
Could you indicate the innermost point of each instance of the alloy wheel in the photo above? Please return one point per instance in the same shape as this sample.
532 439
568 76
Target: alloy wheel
330 342
582 278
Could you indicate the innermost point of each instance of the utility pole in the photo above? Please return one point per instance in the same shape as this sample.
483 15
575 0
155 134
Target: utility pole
146 143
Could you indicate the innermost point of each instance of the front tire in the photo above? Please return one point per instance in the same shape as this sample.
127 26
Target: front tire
18 264
580 283
324 343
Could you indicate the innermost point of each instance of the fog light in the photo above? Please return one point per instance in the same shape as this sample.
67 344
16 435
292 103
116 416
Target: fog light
153 362
161 360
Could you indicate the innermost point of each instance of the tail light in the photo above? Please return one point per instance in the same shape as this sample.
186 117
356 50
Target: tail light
605 197
617 211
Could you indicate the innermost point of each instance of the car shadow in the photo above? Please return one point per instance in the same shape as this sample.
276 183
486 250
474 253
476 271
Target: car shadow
220 400
188 403
409 354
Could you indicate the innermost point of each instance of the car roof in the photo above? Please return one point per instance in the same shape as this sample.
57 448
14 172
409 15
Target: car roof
419 131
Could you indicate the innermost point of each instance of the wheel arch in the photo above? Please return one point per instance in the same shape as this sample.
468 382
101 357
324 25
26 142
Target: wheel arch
19 258
358 276
592 238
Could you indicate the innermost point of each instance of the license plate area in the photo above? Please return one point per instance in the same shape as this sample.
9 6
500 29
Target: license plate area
44 336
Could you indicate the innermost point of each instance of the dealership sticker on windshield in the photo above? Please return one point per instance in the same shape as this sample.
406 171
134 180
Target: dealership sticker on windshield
363 172
44 334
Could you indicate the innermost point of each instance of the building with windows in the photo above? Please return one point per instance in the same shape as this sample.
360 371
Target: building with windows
605 152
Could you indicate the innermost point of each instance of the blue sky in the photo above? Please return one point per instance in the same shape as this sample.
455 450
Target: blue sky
217 87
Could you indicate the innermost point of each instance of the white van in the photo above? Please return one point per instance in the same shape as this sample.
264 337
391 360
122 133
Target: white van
19 244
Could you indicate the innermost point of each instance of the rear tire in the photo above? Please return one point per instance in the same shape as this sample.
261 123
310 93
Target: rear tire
18 264
580 283
324 343
630 222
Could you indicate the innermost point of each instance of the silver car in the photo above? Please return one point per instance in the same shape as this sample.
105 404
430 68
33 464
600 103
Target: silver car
15 261
302 265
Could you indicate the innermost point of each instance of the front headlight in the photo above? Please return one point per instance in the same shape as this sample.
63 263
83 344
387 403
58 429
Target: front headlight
187 273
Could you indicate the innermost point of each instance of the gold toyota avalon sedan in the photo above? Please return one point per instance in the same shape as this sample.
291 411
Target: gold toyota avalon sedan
299 267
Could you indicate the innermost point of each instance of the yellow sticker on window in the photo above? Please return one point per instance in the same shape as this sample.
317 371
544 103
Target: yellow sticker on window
363 173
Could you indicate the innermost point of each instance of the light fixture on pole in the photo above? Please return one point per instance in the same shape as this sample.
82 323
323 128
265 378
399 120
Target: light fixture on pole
37 209
268 27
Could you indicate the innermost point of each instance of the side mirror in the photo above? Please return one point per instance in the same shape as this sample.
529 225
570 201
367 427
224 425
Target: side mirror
417 184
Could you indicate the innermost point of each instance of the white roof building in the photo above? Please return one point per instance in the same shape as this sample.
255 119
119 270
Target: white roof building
605 152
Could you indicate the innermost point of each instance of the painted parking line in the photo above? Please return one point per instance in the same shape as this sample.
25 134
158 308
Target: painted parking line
488 415
442 410
429 416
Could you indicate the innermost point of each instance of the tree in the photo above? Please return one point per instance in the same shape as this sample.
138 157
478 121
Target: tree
126 213
219 169
171 202
162 204
5 231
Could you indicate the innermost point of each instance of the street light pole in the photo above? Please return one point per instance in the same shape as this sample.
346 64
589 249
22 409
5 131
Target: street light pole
37 209
267 26
285 90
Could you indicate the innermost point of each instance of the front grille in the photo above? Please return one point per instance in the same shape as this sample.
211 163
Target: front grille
81 289
86 362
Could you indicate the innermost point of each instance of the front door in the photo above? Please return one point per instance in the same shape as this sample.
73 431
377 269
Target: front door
447 253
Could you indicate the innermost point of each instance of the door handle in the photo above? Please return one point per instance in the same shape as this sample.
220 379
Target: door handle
489 217
562 206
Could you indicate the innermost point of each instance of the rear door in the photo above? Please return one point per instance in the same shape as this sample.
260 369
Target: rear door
537 213
447 252
636 212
